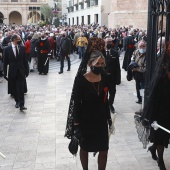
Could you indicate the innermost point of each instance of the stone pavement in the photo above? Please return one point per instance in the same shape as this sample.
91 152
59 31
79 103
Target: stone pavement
34 139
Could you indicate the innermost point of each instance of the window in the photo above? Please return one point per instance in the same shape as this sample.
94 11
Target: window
88 4
96 18
14 0
76 7
69 21
82 5
77 20
34 8
73 21
88 19
82 19
33 0
92 2
96 2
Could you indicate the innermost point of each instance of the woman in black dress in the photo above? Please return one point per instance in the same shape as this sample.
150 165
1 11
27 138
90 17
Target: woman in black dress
91 114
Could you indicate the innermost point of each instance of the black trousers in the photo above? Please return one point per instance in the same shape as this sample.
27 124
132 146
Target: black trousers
112 89
18 88
139 78
62 57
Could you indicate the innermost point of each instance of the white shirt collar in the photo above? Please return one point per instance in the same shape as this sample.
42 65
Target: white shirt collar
13 46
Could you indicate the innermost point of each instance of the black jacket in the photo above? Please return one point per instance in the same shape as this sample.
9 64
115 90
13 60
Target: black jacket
65 45
5 41
15 64
33 48
113 66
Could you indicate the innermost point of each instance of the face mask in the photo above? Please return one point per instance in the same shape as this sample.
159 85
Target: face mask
112 36
19 42
96 70
142 50
42 36
64 35
109 46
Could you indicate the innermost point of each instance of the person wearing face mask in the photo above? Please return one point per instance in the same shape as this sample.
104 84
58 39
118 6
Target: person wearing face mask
139 56
43 51
113 71
16 70
91 118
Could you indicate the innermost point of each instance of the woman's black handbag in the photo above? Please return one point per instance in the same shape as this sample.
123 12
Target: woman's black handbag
73 145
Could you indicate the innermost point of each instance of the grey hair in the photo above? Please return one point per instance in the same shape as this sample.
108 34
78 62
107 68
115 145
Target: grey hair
94 55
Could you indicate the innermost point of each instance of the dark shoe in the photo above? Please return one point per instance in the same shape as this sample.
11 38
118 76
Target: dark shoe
45 73
40 73
31 70
112 109
139 112
161 164
68 69
17 105
60 72
23 108
138 101
152 149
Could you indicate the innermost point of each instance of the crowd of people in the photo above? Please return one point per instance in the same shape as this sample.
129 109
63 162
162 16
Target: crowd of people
99 48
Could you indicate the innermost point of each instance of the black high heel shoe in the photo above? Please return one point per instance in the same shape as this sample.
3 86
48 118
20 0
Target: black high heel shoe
153 153
161 164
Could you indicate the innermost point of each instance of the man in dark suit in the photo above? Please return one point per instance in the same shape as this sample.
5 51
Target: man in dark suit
65 50
112 71
16 69
129 47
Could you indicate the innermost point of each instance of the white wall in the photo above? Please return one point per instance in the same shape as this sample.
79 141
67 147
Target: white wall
103 9
85 12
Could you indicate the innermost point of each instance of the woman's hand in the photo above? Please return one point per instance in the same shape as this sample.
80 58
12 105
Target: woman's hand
134 69
77 131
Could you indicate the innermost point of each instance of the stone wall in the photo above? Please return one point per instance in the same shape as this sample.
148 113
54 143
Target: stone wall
128 13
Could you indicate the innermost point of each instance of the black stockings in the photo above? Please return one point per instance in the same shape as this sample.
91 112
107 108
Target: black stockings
102 159
84 159
160 151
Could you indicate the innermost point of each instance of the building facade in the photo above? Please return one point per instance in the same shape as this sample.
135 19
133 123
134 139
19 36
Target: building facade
20 12
131 13
88 11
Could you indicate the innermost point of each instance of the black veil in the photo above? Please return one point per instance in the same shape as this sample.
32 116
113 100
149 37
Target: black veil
93 44
143 122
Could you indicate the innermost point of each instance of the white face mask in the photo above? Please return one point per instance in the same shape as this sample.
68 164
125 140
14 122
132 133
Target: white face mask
142 50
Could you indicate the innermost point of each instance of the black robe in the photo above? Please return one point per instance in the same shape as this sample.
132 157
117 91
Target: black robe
129 48
43 49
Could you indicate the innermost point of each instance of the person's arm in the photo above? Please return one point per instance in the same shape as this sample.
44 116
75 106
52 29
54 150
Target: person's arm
6 61
77 42
86 42
69 46
118 70
26 44
26 66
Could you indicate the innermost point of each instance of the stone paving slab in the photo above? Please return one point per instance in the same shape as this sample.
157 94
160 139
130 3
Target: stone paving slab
34 139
